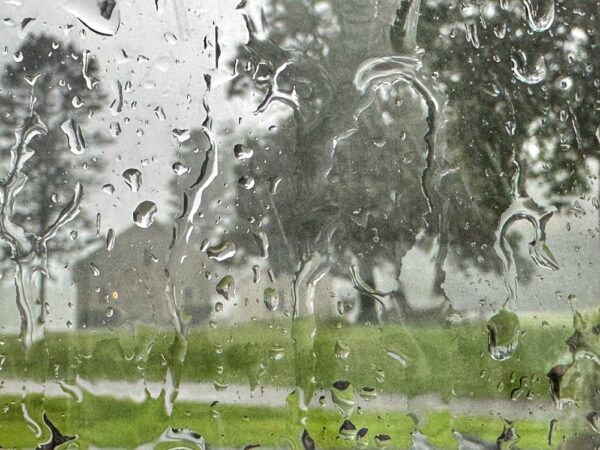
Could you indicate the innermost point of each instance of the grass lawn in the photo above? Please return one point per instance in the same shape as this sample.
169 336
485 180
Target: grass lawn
107 423
394 358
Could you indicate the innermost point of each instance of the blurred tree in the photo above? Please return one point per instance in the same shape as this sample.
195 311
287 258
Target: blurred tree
67 94
514 87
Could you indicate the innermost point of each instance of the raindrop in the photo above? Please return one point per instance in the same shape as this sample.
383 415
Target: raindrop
271 298
115 129
100 16
277 352
368 393
180 134
160 113
263 243
246 182
341 350
74 136
348 430
108 189
396 357
383 440
222 251
110 239
133 179
109 312
503 335
18 56
509 437
342 394
143 216
94 269
170 38
242 152
77 102
180 168
540 14
526 74
90 82
226 287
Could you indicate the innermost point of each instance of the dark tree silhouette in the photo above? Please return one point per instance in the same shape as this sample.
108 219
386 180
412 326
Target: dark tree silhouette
483 61
66 96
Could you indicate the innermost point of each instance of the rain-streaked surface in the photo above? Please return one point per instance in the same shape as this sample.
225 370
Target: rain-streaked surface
301 224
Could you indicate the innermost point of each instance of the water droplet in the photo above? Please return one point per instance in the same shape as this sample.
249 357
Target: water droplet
160 113
271 298
222 251
18 56
75 139
115 129
342 394
368 393
77 102
181 135
180 169
277 352
503 335
263 243
246 182
170 38
396 357
509 437
133 179
95 270
348 430
143 216
242 152
341 350
524 72
110 239
383 440
108 189
540 14
226 287
100 16
109 312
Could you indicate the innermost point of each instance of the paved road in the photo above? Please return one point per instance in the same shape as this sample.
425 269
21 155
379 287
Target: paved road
238 394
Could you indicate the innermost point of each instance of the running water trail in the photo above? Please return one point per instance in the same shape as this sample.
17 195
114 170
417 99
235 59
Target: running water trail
523 207
29 252
182 231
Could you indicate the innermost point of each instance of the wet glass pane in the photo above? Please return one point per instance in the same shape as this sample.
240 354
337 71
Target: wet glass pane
303 224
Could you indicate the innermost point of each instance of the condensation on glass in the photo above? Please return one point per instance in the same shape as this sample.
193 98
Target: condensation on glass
305 224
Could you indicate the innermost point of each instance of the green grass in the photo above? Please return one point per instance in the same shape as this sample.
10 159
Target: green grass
122 424
446 360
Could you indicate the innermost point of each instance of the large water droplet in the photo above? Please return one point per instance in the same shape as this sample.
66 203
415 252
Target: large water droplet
527 73
143 216
263 243
222 251
342 394
74 137
100 16
133 179
503 335
226 287
540 14
271 298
